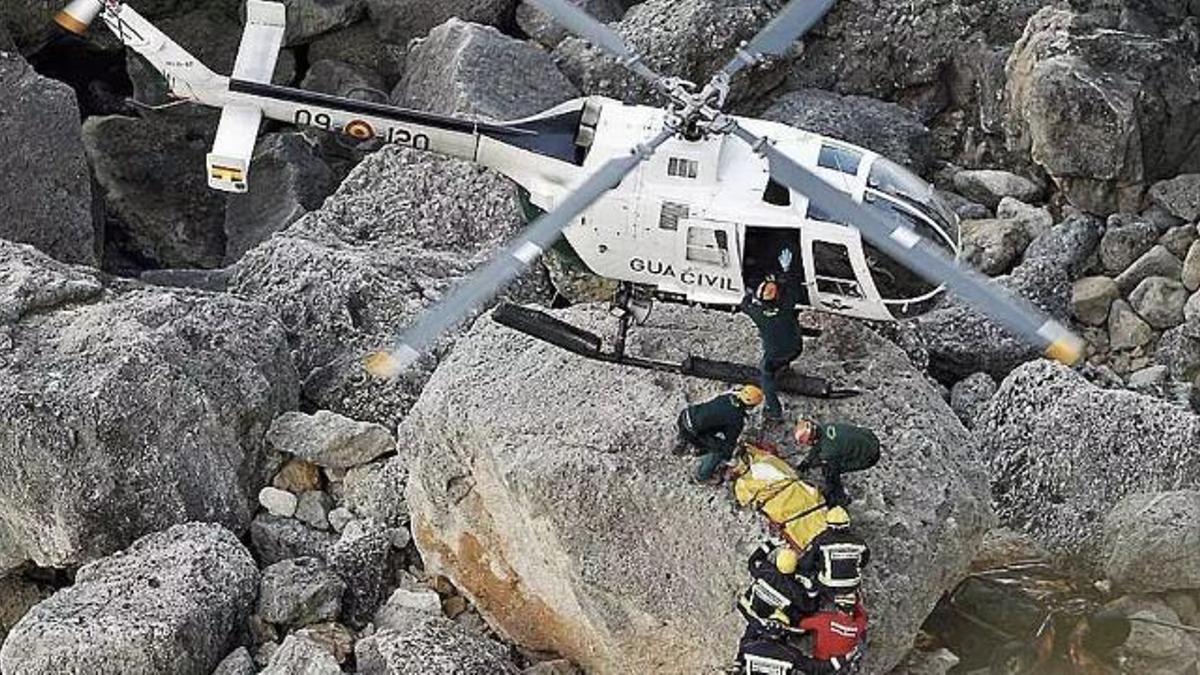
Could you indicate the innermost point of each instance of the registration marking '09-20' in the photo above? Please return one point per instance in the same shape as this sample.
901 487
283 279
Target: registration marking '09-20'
362 130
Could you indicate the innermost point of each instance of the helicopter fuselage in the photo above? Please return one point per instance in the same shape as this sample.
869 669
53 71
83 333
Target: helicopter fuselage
700 221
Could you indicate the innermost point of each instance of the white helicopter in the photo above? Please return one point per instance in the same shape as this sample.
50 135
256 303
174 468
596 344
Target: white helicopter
700 211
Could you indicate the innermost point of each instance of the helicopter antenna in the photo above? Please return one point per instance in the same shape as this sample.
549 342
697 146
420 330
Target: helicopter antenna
484 284
915 252
587 27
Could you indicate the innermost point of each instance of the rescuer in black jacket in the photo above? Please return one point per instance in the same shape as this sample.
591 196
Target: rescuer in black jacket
832 564
772 308
714 426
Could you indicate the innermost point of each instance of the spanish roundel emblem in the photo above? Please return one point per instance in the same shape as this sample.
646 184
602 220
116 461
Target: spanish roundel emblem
360 130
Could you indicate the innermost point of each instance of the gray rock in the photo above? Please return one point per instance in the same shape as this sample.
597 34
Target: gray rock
343 79
151 173
886 128
395 614
47 200
691 40
1102 157
333 637
1152 648
128 409
921 662
1091 297
1159 301
287 180
546 31
552 667
300 591
1149 376
993 246
1157 262
1036 219
473 502
399 21
1121 246
362 551
970 395
17 596
239 662
1180 196
360 46
277 502
339 518
301 656
328 439
313 509
468 69
989 186
274 539
170 603
1069 244
367 492
1127 330
1152 542
964 208
1179 239
1179 350
431 646
307 19
1190 273
1107 444
1191 310
961 341
400 230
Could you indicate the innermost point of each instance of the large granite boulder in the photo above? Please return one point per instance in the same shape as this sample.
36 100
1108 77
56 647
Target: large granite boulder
127 409
467 69
47 195
400 230
691 40
151 173
1105 112
1063 452
307 19
287 180
886 128
1152 542
547 31
555 514
172 602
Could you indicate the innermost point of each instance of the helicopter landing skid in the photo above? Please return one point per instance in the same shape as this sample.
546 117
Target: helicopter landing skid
566 336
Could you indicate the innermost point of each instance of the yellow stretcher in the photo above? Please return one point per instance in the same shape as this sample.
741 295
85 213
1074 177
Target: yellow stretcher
795 508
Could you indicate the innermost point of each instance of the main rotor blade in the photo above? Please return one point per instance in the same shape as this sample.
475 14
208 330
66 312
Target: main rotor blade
587 27
781 33
485 283
918 254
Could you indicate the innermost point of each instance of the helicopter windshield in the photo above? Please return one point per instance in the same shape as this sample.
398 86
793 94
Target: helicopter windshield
898 194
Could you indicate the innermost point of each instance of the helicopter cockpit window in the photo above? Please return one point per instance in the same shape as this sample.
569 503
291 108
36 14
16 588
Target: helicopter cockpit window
680 167
839 159
706 245
671 213
892 179
900 288
776 194
834 273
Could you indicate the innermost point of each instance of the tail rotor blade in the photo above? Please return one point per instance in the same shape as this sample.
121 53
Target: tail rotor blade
918 254
485 283
781 33
587 27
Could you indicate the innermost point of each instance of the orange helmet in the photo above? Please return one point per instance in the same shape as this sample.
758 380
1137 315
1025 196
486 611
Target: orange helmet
749 395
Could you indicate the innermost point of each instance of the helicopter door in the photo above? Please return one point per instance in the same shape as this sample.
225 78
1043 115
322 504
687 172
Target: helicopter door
710 268
836 272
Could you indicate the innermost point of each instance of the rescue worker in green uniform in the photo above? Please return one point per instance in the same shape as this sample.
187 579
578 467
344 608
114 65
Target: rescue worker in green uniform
713 427
772 308
836 449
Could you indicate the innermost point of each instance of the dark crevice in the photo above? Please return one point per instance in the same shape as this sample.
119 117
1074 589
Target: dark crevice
96 75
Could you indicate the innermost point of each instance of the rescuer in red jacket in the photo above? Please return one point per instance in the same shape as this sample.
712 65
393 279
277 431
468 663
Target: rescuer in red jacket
837 632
